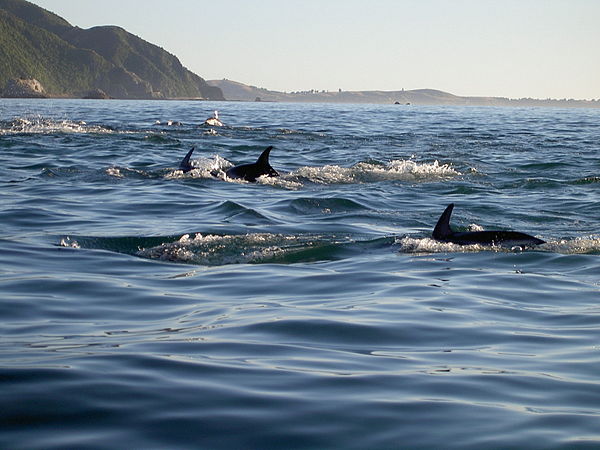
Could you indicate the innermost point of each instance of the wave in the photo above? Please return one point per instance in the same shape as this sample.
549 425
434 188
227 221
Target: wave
215 250
236 249
362 172
581 245
549 183
269 248
160 138
41 125
589 245
325 205
126 172
37 124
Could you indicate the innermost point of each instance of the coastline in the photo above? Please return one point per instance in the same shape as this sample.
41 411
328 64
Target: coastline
475 102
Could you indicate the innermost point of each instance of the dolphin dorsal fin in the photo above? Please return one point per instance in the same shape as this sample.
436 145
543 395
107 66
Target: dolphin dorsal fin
263 159
442 228
185 162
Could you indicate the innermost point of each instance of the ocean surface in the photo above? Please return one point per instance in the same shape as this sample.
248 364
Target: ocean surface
146 308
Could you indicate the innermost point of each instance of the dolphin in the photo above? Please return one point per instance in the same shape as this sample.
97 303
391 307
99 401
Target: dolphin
185 164
442 232
250 172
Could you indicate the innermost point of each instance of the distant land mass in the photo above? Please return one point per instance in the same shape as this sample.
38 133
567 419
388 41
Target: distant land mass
233 90
42 55
42 52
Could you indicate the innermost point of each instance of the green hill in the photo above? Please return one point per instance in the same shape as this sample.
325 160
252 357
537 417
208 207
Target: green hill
69 61
35 15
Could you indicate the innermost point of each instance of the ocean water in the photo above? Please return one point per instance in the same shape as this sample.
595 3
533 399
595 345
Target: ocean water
146 308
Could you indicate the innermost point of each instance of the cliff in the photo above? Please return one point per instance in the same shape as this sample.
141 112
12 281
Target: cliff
70 61
22 88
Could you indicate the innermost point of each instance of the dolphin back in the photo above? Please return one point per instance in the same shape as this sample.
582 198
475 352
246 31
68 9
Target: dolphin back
495 237
263 165
250 172
185 164
442 230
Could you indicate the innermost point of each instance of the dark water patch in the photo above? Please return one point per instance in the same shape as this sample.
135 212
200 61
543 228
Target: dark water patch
85 175
546 166
159 138
59 172
331 249
543 184
327 332
468 188
128 173
34 217
312 205
123 244
231 211
540 183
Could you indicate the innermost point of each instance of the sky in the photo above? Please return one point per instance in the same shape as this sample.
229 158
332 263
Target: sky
501 48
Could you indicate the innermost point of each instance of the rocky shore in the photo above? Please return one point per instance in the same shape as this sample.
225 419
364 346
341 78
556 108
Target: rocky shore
24 88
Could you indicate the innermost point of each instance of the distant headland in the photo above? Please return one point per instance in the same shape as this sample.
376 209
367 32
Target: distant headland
233 90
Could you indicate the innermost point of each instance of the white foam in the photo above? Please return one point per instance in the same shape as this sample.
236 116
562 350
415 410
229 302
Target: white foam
114 172
326 174
283 181
169 123
428 245
40 125
475 227
203 168
422 169
579 245
117 172
403 170
68 242
227 249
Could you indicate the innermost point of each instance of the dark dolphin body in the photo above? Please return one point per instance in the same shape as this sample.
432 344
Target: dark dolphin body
185 164
250 172
443 232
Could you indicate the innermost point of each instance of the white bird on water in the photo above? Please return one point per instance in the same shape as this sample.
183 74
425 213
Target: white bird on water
214 120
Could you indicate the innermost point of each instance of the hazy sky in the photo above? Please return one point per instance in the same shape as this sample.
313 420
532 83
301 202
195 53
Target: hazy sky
510 48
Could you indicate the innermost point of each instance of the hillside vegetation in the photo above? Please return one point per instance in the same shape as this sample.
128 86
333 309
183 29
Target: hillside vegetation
69 61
